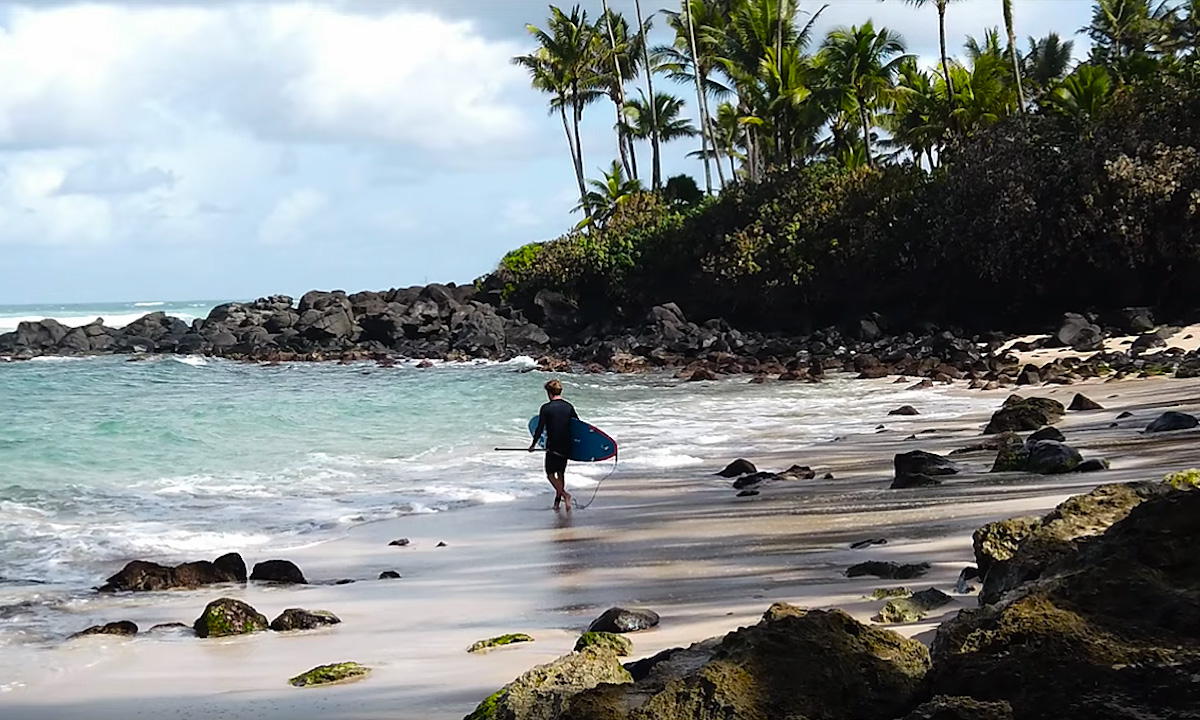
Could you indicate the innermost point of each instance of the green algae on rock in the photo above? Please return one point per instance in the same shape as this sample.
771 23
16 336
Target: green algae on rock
227 616
544 691
913 609
619 644
887 593
329 674
499 641
1184 480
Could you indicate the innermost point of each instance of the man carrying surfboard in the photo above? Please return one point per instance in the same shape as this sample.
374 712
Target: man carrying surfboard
555 420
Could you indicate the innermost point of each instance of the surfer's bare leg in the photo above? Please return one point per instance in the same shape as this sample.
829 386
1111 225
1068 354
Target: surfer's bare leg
558 482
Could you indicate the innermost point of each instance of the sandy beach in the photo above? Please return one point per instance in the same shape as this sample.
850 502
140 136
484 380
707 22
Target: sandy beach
678 542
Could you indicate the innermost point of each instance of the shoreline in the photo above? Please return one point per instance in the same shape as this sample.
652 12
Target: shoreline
678 542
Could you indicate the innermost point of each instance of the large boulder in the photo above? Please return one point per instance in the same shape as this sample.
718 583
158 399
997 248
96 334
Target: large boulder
1171 421
919 462
280 571
545 692
621 620
1057 534
1083 403
141 575
1050 457
123 628
1111 629
795 663
738 467
227 616
554 312
998 541
1078 333
1024 414
40 335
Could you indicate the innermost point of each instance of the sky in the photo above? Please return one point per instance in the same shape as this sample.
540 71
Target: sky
231 149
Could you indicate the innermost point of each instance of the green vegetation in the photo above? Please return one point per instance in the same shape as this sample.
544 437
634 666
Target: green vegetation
499 641
619 644
327 674
998 187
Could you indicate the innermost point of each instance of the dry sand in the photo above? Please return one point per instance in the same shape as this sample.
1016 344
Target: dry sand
1186 339
680 543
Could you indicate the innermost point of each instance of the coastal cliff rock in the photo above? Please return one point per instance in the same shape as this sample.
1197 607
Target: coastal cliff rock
141 575
228 616
795 663
1109 629
545 692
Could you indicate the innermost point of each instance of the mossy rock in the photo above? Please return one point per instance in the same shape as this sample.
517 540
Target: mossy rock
544 691
1025 414
619 644
1184 480
998 541
888 593
499 641
961 708
912 609
330 674
226 617
489 708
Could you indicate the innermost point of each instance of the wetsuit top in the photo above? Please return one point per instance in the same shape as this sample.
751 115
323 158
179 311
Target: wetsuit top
555 419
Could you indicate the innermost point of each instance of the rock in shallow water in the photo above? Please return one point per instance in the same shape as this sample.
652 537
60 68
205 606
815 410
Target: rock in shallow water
299 619
123 627
141 575
499 641
329 674
1024 414
888 570
621 620
280 571
1172 421
914 608
228 616
618 644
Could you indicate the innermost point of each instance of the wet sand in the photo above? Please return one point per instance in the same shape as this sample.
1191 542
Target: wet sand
678 542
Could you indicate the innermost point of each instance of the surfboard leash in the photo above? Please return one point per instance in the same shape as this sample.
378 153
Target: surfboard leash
616 459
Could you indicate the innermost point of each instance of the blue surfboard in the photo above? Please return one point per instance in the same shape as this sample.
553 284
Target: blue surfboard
590 443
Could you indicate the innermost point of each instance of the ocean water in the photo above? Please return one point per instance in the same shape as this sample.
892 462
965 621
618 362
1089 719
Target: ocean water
114 314
171 459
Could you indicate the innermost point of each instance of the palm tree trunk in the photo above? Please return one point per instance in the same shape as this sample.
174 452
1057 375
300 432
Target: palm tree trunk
620 99
656 180
1012 51
866 123
577 114
941 8
687 9
562 111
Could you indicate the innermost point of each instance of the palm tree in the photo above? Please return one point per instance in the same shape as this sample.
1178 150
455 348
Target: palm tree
916 122
661 119
1129 34
862 65
1048 61
700 94
656 171
1084 93
607 194
616 57
941 10
1012 52
563 66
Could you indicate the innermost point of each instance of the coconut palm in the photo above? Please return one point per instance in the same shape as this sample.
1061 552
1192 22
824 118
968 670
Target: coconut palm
941 6
1130 35
563 66
607 194
1048 61
916 122
861 65
1012 53
656 170
618 60
661 119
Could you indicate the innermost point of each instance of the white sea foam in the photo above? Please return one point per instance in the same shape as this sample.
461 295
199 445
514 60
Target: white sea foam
193 360
118 320
157 303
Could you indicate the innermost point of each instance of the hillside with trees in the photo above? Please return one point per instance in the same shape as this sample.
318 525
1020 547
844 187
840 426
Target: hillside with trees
1003 186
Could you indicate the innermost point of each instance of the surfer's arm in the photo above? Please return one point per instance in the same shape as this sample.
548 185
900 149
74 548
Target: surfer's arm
537 433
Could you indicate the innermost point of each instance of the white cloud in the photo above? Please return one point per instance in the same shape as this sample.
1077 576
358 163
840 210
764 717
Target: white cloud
290 221
301 72
114 177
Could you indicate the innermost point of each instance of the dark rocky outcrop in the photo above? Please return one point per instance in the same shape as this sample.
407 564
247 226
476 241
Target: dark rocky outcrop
1032 545
123 628
618 644
961 708
1079 333
906 482
621 620
905 410
921 469
1048 433
1109 629
298 619
278 571
888 570
794 663
1171 421
1024 414
738 467
389 575
752 479
141 575
228 616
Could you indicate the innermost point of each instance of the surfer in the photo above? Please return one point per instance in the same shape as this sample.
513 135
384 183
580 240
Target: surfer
555 420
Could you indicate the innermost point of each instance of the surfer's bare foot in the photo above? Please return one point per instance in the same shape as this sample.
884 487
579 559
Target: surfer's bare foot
568 499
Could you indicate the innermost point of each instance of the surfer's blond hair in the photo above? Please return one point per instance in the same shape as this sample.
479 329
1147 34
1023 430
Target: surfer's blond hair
553 388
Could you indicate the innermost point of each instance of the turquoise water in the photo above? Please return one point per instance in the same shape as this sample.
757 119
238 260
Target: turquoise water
114 314
171 459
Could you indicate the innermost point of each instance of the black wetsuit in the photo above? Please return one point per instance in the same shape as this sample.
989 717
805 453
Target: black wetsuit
555 419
